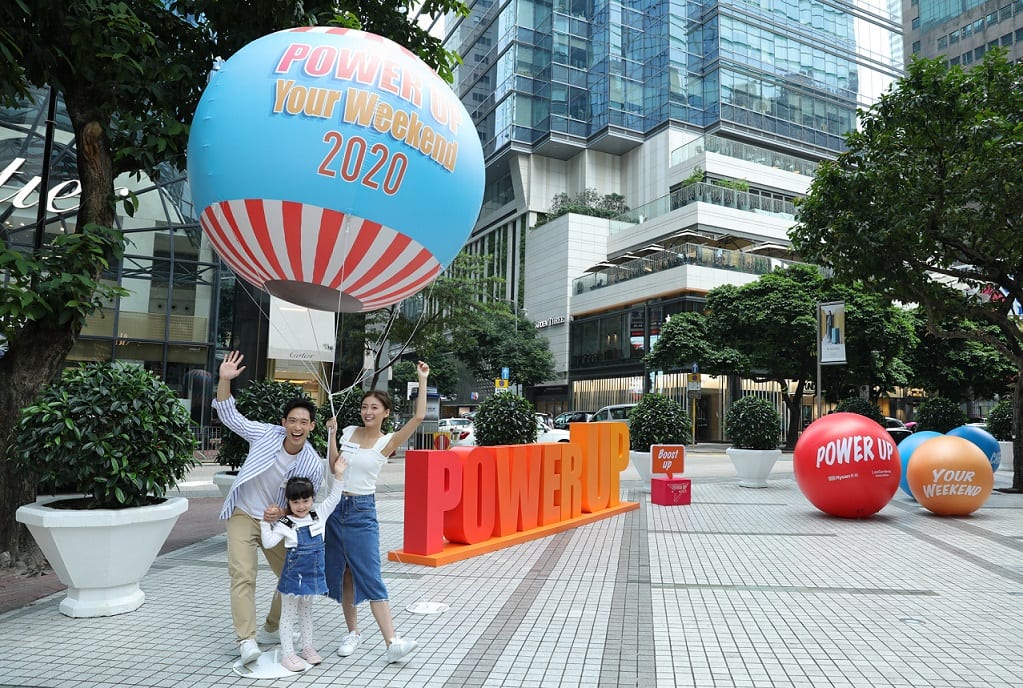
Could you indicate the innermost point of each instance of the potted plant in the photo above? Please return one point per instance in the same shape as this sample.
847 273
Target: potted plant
261 401
119 438
999 424
939 414
505 418
753 425
656 419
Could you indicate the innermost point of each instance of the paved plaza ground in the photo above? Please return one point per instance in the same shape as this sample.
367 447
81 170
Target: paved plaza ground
745 587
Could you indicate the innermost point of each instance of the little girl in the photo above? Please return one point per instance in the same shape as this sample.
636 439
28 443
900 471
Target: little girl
302 577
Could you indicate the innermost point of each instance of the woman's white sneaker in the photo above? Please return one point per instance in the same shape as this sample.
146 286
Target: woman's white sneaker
348 644
399 649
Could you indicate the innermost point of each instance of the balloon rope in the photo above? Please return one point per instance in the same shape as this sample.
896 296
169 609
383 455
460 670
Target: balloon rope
309 366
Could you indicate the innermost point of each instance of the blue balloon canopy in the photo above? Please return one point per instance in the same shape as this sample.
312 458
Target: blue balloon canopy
333 168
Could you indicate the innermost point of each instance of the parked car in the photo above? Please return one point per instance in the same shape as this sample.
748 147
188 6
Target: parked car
547 433
563 419
466 436
897 429
613 412
449 424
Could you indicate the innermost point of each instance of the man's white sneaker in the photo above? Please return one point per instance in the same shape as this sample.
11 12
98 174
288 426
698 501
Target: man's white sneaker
249 651
348 644
399 649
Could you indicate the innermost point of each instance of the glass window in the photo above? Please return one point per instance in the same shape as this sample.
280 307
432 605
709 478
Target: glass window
1004 12
1007 40
992 18
942 41
978 53
953 62
953 38
967 58
916 46
916 23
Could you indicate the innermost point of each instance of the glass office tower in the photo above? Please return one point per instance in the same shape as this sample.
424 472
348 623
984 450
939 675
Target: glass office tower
962 31
558 76
639 98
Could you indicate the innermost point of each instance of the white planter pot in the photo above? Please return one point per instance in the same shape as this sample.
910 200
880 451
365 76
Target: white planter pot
1006 449
224 480
101 554
643 463
753 465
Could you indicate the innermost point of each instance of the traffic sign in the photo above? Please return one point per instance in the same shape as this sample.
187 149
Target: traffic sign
505 373
500 383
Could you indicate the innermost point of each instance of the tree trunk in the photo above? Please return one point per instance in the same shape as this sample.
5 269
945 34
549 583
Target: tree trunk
794 405
1017 432
36 353
34 358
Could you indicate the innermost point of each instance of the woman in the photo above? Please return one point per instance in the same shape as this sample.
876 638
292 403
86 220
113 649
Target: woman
353 534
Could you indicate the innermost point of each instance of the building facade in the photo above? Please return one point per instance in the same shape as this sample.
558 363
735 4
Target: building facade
708 118
963 30
182 305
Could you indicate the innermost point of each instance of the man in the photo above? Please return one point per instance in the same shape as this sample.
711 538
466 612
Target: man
276 453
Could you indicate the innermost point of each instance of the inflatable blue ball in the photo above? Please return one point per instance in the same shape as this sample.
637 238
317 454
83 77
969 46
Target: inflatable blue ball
983 439
906 448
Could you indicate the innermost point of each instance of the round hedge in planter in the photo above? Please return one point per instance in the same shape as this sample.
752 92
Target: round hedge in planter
999 421
119 435
111 431
753 425
861 407
658 419
505 418
939 414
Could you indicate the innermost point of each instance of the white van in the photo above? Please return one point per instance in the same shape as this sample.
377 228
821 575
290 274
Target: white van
613 412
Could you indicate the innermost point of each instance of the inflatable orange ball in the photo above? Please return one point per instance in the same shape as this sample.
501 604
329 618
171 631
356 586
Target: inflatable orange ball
950 476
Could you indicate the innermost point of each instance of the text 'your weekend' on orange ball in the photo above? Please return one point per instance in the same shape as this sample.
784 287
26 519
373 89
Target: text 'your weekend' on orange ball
950 476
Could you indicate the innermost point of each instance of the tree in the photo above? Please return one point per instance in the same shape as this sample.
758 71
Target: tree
504 339
956 369
925 205
767 331
880 339
589 202
130 75
421 323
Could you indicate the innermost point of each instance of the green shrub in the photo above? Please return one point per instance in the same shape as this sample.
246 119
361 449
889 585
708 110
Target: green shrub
753 423
114 432
263 401
505 418
999 420
658 419
862 407
939 414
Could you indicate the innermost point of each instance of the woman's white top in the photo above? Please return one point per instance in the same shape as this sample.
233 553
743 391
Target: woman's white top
363 464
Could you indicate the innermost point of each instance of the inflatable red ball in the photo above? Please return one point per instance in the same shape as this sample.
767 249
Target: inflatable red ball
950 476
847 465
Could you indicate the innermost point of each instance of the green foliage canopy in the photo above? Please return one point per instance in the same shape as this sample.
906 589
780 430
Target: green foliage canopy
926 203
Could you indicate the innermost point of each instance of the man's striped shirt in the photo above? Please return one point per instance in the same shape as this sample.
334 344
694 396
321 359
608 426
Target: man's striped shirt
265 440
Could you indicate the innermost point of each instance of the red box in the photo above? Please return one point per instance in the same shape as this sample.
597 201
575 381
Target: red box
670 491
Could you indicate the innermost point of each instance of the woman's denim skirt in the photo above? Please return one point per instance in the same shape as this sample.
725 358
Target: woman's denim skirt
353 541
